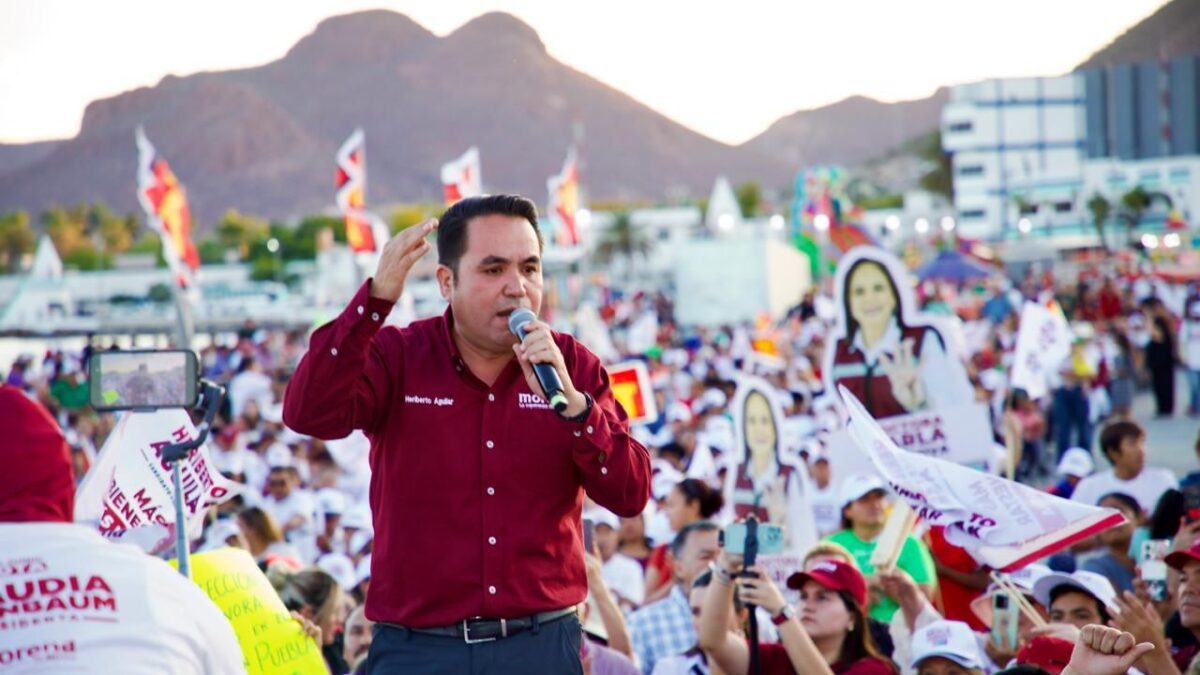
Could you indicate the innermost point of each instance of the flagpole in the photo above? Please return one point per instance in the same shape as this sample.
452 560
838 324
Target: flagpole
185 328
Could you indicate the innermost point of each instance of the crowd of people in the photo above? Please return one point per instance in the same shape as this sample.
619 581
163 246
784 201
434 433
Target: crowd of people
666 598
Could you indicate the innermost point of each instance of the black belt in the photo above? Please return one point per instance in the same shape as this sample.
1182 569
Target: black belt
479 629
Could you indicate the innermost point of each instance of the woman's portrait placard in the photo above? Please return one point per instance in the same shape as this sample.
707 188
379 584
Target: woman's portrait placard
764 478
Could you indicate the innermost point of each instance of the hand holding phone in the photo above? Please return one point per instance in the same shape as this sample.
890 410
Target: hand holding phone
1005 618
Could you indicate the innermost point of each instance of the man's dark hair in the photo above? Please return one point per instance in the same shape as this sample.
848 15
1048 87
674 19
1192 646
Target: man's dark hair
1063 589
681 538
1113 434
452 227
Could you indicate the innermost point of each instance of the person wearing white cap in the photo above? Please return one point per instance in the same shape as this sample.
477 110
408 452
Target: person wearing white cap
1075 465
622 574
1023 579
946 648
823 494
1079 598
289 506
864 513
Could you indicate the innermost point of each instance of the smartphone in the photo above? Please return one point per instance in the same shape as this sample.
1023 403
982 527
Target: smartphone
589 529
1191 502
143 380
1005 617
1153 569
770 538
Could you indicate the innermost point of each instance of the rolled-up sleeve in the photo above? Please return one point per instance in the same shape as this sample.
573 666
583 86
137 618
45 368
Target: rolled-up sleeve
346 378
614 466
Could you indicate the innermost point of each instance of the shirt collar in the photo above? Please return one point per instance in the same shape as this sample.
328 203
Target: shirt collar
448 335
887 342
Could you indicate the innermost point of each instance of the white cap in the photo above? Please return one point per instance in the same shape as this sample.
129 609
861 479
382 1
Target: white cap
663 478
357 517
1024 579
678 412
602 516
231 462
363 571
219 533
991 379
855 487
711 398
279 457
953 640
331 500
340 567
1076 462
1093 584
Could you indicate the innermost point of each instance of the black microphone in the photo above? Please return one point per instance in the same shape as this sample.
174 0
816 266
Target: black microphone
546 375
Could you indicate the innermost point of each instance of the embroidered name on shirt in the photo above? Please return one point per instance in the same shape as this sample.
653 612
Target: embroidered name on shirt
530 401
426 400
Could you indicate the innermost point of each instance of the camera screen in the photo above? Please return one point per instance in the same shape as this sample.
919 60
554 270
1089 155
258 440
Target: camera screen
144 379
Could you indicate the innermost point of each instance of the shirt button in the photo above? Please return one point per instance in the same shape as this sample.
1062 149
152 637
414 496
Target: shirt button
491 444
491 491
492 541
589 429
604 470
360 309
491 397
492 590
333 351
578 434
374 316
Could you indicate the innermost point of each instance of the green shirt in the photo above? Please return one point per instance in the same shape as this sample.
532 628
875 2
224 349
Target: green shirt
70 396
914 559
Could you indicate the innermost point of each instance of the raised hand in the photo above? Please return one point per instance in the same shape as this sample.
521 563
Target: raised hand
1105 651
903 370
398 258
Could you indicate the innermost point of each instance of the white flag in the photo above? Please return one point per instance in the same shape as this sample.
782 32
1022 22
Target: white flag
1044 341
1006 525
130 487
460 177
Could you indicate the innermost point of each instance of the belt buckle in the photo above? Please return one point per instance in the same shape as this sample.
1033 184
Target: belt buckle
467 631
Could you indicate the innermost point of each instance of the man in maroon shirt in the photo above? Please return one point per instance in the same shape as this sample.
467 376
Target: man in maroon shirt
477 483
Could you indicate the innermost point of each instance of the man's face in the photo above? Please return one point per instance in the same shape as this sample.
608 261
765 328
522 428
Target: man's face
358 636
700 549
869 509
820 472
279 483
500 270
1076 608
606 540
1189 595
1132 458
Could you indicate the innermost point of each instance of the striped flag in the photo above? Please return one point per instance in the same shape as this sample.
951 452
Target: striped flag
460 177
165 202
564 200
350 180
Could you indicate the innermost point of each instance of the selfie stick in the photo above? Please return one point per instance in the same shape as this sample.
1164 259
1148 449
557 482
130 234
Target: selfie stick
749 554
210 400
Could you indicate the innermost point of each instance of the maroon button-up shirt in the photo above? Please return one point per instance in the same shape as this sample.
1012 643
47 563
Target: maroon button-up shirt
476 491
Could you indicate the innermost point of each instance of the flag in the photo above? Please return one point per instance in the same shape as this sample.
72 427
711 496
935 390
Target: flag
130 487
350 180
1004 524
845 236
564 200
165 202
460 177
630 383
1043 342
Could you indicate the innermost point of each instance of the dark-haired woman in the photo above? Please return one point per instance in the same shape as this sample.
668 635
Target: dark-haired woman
690 501
315 596
891 367
826 635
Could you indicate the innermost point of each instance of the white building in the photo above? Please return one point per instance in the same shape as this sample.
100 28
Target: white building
1017 149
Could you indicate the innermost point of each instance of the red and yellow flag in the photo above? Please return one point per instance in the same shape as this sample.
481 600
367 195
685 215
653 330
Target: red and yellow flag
564 201
350 180
631 387
460 177
165 202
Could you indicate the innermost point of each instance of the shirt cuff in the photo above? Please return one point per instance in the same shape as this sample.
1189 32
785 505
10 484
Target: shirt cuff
363 313
593 433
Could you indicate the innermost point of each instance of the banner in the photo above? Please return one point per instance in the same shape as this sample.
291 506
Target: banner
1043 342
631 387
272 642
460 177
130 487
950 434
165 203
564 201
1004 524
350 181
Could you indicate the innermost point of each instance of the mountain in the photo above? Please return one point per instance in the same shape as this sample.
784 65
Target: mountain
262 139
1174 30
850 132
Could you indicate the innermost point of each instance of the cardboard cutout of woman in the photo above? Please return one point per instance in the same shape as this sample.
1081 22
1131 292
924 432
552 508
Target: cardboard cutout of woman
767 482
893 359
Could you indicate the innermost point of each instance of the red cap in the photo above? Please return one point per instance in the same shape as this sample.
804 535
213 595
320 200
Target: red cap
1048 653
1178 559
37 483
836 576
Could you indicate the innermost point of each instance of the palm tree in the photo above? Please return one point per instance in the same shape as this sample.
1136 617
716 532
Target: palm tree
623 240
1135 204
1101 210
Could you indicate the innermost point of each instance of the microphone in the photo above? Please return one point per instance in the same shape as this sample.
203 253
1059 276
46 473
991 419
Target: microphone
546 375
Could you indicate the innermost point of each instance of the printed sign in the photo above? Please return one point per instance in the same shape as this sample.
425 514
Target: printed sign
632 389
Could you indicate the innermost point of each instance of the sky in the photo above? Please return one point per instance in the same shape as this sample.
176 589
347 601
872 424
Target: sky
727 70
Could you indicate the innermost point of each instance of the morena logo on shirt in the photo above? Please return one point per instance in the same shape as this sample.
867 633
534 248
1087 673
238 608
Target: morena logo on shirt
531 401
47 651
429 400
17 566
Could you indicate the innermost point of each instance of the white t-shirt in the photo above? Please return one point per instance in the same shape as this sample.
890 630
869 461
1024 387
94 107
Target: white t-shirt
76 603
298 503
825 506
1146 488
249 386
624 577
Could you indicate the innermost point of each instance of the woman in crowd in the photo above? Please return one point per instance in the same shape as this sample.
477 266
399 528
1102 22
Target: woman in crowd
688 502
314 595
264 538
828 636
1115 562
